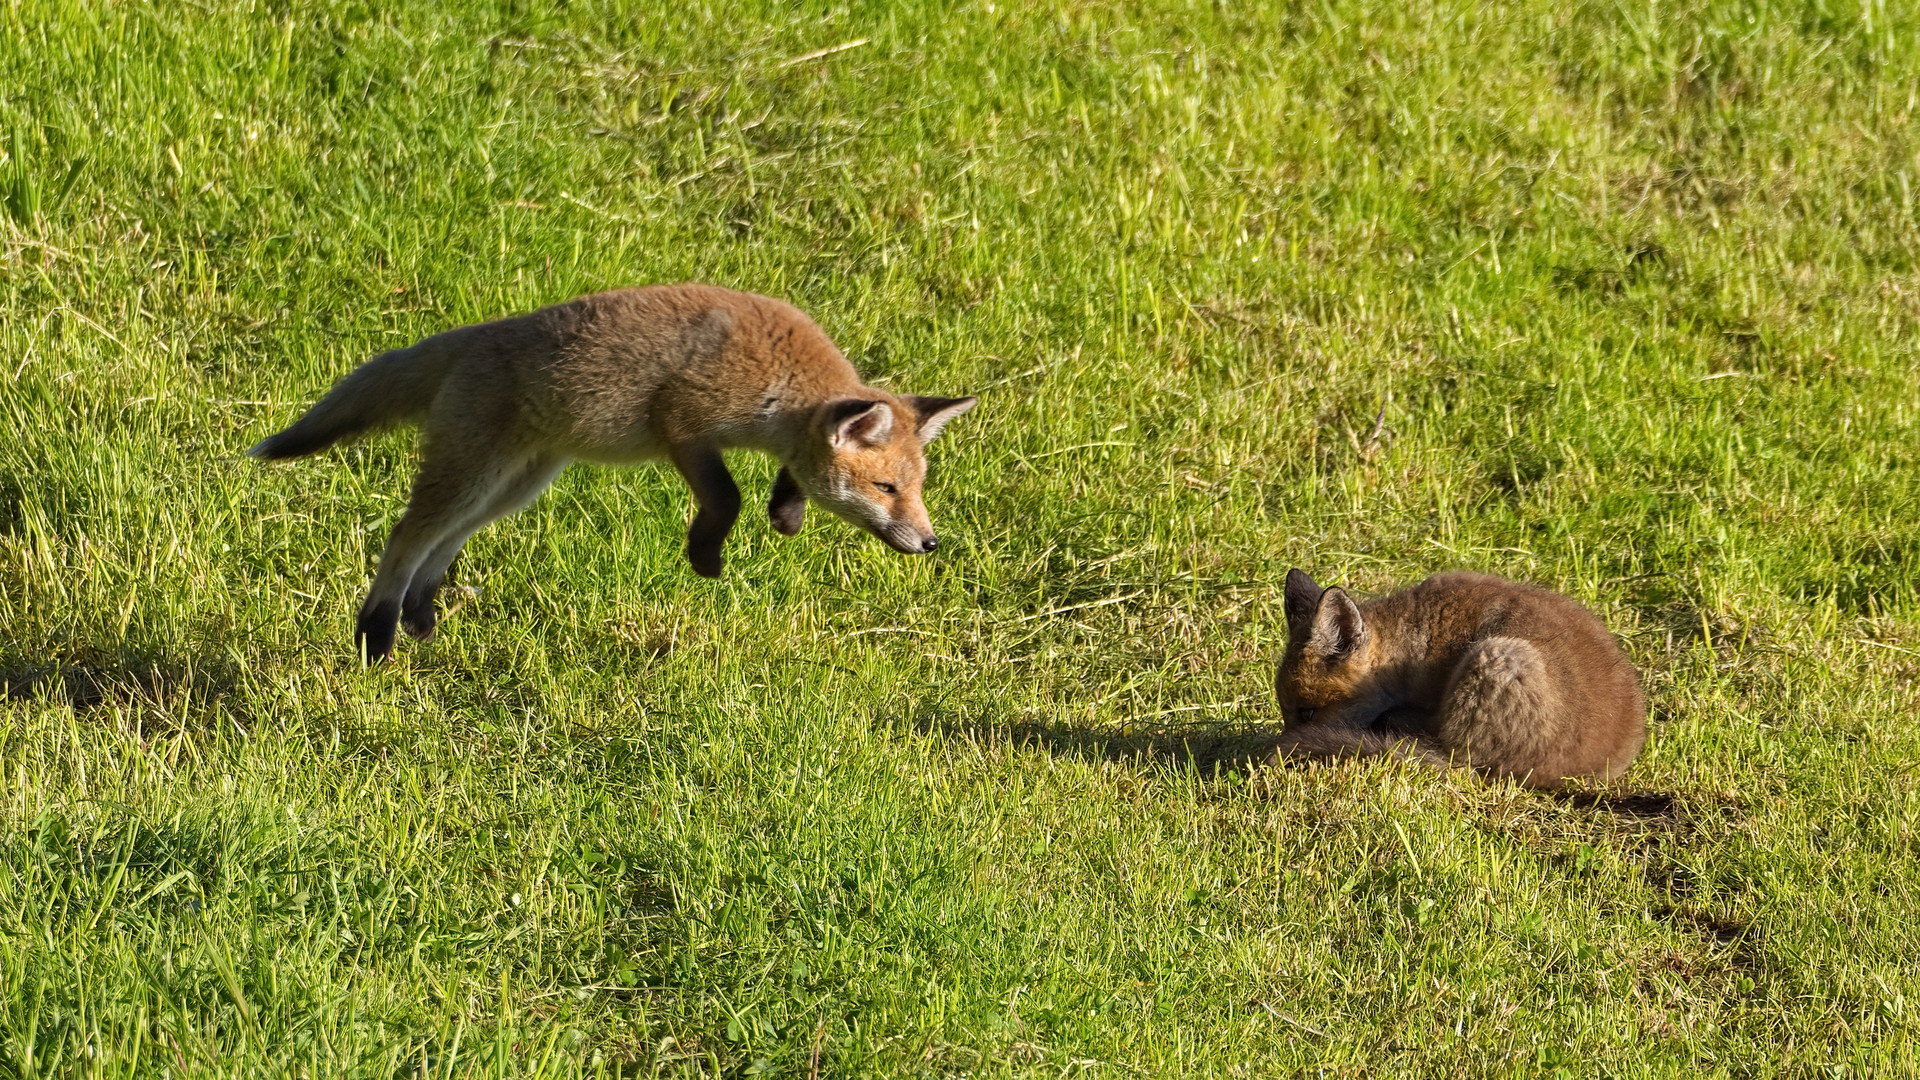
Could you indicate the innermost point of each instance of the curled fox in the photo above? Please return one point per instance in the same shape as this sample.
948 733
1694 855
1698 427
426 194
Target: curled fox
675 371
1464 669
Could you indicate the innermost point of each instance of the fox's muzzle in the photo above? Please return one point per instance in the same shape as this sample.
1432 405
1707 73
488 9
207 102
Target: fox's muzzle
906 540
902 526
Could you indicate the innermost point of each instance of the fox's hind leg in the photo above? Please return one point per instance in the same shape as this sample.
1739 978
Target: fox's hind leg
417 615
1500 712
455 484
719 498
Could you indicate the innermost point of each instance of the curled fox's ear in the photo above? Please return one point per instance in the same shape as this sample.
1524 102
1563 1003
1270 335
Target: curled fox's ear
934 412
1337 626
868 423
1303 599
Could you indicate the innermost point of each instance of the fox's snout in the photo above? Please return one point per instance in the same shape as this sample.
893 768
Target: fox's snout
907 540
901 522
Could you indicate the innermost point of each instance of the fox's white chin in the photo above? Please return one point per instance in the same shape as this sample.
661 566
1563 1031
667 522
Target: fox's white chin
901 538
906 545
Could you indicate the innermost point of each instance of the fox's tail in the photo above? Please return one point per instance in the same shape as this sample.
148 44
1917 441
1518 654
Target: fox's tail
391 388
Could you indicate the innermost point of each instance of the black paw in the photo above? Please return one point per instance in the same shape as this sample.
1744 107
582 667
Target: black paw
788 517
419 622
787 508
376 630
417 612
705 563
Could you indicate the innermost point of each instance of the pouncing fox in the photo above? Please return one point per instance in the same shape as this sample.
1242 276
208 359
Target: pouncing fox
675 371
1462 668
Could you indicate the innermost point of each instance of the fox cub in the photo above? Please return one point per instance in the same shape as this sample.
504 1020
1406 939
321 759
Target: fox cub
675 371
1463 668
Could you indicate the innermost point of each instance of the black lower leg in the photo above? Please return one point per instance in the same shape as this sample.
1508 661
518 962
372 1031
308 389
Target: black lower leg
706 536
719 499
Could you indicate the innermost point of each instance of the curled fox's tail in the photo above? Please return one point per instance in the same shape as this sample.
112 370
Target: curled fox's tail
391 388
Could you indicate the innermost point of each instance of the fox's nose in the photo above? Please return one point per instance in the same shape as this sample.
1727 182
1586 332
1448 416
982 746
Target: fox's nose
929 543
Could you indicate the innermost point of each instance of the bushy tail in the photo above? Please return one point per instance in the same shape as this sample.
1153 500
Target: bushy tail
391 388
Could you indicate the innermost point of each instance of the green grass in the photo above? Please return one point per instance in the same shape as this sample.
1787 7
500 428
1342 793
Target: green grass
1617 298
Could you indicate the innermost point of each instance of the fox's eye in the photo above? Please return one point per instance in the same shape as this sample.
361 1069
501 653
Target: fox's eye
887 489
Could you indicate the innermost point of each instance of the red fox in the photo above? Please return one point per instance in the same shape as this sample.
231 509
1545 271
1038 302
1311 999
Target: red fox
1463 668
675 371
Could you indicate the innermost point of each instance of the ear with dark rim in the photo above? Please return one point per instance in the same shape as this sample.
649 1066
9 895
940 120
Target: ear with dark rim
867 423
934 412
1303 599
1337 626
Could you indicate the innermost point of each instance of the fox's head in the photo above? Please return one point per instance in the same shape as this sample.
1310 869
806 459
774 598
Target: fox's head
865 462
1329 650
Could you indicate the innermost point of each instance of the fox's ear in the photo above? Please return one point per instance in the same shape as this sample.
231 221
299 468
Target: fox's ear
869 423
934 412
1337 626
1303 599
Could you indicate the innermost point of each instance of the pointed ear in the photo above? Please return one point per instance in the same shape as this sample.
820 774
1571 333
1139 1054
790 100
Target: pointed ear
934 412
1337 626
867 423
1303 599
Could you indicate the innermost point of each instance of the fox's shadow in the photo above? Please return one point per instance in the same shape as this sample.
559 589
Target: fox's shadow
125 677
1217 751
1210 750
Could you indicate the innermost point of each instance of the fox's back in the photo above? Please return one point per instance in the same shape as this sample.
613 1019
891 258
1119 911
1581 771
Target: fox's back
616 375
1464 607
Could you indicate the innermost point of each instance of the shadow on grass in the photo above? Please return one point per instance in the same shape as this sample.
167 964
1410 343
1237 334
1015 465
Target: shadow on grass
1209 750
128 678
1648 806
1214 751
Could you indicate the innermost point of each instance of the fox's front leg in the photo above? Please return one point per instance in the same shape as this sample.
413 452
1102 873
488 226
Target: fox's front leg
719 498
1364 727
787 507
1358 714
1330 742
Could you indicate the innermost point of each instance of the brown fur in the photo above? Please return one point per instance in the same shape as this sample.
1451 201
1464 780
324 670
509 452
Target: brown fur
1512 680
680 372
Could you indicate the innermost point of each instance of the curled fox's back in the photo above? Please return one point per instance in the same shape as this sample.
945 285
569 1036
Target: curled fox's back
1577 712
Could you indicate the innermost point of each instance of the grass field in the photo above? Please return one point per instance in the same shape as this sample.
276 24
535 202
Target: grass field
1615 297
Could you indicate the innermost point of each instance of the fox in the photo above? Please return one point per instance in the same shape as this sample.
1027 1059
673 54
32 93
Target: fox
1463 669
681 372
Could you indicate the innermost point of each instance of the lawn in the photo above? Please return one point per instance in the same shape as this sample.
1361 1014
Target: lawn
1618 298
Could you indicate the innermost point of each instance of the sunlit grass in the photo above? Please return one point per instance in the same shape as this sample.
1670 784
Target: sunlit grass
1620 300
